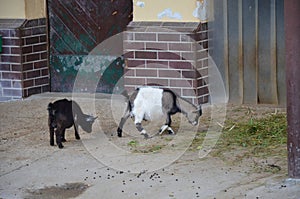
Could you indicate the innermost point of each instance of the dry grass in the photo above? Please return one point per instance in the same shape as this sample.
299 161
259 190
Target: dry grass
257 133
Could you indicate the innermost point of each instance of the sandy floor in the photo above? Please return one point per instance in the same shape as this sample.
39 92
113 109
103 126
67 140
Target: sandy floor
31 168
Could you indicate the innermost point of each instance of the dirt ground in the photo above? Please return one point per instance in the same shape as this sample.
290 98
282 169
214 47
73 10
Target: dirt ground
31 168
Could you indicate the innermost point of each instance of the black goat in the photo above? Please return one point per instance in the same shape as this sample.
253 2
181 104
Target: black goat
64 114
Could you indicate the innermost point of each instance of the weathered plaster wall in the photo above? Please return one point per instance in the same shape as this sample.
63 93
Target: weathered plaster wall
22 9
168 10
35 9
13 9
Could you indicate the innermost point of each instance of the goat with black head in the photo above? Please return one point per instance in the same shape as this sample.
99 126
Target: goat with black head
64 114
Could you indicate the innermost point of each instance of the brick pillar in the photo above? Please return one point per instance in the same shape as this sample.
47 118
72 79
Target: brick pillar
35 57
168 54
24 59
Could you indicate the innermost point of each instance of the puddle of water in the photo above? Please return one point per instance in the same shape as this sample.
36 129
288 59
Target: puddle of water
68 190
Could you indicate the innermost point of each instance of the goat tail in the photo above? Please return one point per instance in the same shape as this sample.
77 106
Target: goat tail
127 96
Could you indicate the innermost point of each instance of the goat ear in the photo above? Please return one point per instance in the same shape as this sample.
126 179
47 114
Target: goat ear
49 106
91 119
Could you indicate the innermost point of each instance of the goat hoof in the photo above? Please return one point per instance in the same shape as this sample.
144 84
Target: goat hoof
60 146
163 128
119 132
51 144
78 138
146 136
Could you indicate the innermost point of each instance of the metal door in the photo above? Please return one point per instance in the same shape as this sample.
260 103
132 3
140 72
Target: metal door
76 27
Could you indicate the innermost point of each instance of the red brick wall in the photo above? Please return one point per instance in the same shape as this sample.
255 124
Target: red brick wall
35 58
24 60
168 55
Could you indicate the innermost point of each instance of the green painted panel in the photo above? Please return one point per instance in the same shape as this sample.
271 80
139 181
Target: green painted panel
76 28
100 71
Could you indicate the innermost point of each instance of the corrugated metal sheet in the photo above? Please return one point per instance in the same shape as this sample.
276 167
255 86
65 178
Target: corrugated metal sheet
248 48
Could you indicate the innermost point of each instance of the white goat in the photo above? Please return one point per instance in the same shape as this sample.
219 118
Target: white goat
148 103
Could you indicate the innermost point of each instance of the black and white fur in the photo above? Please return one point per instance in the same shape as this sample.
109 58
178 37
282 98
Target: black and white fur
147 102
64 114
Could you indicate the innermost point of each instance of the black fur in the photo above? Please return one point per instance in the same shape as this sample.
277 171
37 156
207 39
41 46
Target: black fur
64 114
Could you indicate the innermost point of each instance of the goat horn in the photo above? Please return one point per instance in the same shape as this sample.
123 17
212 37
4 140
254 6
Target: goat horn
91 118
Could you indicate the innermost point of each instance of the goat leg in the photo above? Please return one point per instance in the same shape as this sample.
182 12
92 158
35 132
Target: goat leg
142 130
63 138
119 132
121 124
162 129
51 130
167 125
58 138
170 130
76 132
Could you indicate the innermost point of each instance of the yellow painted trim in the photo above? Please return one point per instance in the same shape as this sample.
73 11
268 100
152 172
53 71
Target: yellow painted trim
22 9
35 9
164 10
12 9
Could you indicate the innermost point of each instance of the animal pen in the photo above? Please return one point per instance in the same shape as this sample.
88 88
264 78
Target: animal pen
244 39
